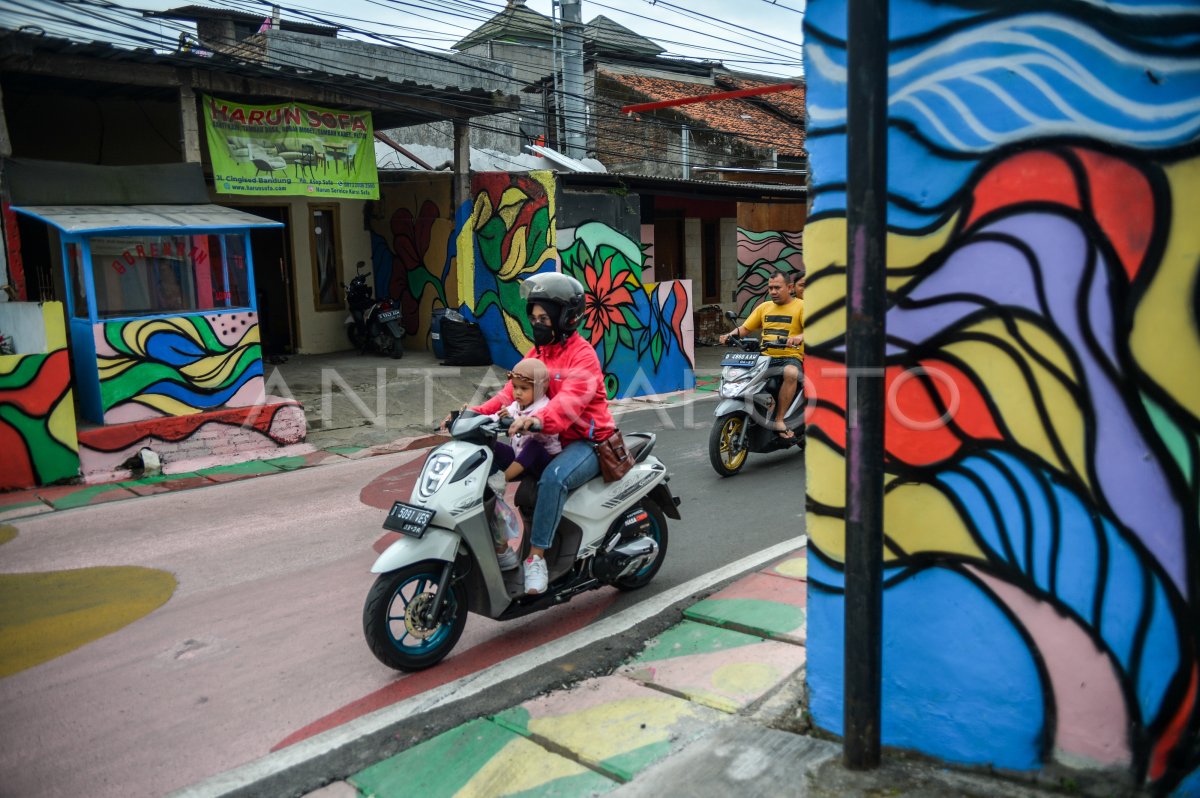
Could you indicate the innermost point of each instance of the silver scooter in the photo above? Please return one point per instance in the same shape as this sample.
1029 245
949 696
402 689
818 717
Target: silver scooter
445 563
745 417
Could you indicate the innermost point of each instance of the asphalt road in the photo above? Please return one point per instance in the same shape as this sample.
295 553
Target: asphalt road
261 644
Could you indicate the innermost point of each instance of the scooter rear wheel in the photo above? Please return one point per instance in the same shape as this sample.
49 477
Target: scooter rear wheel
393 620
725 458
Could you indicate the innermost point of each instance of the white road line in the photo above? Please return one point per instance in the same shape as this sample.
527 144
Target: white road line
275 763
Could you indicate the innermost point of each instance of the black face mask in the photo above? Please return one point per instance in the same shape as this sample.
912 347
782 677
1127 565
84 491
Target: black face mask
543 334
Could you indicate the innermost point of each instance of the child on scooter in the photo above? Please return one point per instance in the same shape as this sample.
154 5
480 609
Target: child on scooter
530 452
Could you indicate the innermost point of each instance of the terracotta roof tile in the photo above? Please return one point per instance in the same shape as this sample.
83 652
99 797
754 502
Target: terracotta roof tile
790 103
757 126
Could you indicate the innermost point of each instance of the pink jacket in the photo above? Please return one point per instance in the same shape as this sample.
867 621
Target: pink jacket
578 408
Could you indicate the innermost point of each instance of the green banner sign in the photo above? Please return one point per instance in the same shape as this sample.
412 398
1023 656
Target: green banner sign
291 148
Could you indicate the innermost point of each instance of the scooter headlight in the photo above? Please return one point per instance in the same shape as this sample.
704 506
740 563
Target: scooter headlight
434 475
732 390
736 373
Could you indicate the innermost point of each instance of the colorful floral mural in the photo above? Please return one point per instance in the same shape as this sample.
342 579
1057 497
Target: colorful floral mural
179 365
642 332
759 255
411 252
1042 544
508 236
37 413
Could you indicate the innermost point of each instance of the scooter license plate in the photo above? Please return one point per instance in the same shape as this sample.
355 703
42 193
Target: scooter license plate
388 315
408 520
739 359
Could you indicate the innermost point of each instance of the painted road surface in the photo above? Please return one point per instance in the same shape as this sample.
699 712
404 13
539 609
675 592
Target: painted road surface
261 645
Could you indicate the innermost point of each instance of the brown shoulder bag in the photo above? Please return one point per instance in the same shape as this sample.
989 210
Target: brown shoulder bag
615 460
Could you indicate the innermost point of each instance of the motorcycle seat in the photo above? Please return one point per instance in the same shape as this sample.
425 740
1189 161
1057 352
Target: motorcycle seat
640 444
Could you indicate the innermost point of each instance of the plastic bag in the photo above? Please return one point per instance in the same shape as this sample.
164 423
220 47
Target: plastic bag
506 524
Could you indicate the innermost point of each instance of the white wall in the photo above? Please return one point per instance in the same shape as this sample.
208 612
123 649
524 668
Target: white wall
26 325
317 331
729 263
692 255
324 330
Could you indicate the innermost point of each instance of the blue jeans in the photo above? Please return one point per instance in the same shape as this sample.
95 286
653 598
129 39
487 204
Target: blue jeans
569 469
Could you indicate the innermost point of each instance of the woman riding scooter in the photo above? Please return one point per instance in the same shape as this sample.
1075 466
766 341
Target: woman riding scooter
577 411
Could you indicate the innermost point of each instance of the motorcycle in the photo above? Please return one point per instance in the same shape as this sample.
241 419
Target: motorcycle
373 324
745 418
445 565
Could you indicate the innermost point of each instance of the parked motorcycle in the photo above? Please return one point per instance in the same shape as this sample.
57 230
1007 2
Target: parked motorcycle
745 418
373 325
445 563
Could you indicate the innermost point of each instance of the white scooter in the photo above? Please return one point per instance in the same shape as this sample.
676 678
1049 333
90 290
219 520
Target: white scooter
445 563
745 418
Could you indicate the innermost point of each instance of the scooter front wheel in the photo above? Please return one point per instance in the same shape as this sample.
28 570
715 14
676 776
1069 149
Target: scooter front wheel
724 453
395 620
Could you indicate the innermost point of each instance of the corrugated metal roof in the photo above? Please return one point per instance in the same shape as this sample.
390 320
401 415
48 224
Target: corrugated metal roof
111 218
682 187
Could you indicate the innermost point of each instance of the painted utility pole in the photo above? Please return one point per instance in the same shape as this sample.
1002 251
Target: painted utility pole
866 249
574 112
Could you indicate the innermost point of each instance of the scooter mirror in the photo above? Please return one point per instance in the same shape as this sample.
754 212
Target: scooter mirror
729 314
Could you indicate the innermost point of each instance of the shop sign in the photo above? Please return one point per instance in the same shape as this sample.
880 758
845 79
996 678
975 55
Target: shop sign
291 149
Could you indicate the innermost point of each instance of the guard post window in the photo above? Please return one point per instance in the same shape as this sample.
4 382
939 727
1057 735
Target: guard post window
326 258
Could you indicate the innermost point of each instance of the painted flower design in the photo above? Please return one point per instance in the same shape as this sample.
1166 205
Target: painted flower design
606 299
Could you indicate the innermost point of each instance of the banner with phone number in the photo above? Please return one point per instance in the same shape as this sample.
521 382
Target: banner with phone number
291 149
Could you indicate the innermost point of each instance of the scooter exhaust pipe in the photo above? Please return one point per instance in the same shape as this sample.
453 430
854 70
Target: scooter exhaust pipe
633 555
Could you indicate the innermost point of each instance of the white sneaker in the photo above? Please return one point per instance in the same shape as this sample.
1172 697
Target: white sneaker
536 575
508 559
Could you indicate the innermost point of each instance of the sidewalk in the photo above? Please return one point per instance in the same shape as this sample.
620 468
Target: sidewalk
710 708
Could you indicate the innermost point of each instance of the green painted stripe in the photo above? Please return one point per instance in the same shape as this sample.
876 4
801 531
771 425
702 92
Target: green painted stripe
157 478
688 637
441 766
344 449
588 783
23 374
84 496
288 463
515 719
7 533
250 467
449 763
627 765
769 617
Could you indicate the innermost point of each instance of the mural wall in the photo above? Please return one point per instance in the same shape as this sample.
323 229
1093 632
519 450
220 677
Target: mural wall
37 413
179 365
508 236
642 331
759 255
412 236
1042 548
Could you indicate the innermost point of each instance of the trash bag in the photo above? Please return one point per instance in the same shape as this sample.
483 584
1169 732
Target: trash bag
440 315
464 344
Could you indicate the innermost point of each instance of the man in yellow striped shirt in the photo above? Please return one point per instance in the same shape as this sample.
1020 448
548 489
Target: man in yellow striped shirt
782 322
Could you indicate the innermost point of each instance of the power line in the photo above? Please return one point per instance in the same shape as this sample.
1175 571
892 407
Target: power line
600 106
